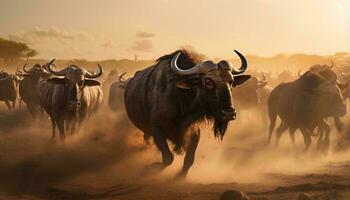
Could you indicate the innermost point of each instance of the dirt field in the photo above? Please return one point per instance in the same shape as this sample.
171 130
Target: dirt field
107 160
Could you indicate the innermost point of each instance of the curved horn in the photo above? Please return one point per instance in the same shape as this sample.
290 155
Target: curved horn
52 71
45 67
18 72
332 65
299 73
51 62
244 64
121 76
24 67
95 75
264 77
177 70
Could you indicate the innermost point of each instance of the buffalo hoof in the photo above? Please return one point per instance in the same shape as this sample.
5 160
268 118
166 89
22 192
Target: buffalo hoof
180 176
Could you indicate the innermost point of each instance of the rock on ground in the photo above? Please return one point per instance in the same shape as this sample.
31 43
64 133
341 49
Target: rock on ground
233 195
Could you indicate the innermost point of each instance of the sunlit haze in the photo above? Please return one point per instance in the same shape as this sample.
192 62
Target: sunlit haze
115 29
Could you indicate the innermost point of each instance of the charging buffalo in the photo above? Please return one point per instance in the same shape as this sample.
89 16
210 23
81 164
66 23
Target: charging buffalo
8 92
304 104
28 87
69 100
167 101
116 93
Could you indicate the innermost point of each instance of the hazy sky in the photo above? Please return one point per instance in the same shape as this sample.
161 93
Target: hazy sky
150 28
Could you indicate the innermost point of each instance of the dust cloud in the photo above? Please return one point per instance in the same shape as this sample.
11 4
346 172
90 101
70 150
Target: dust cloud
30 159
109 150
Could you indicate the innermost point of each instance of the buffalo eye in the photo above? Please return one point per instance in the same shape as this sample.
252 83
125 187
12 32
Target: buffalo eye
209 84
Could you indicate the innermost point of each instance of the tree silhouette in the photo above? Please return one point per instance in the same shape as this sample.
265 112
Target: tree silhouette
12 50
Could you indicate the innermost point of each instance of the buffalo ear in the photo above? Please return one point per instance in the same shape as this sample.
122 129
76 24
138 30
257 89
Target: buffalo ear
56 80
240 79
89 82
188 83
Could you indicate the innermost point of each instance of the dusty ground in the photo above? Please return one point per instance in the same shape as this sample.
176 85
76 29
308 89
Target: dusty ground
106 160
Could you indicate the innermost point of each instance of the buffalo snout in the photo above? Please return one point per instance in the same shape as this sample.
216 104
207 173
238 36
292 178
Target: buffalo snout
228 114
74 105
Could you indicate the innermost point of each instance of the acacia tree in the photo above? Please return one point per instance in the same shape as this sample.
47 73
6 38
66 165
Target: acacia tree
12 50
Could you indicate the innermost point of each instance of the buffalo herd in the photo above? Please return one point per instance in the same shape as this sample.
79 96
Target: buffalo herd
168 100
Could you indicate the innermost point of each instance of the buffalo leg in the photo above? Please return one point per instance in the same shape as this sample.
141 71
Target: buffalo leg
53 123
283 127
338 124
292 135
273 117
32 110
325 146
8 105
320 133
307 138
190 152
14 104
73 127
60 126
163 146
67 122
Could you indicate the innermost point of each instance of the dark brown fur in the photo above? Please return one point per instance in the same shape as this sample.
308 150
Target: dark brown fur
8 91
303 104
163 110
